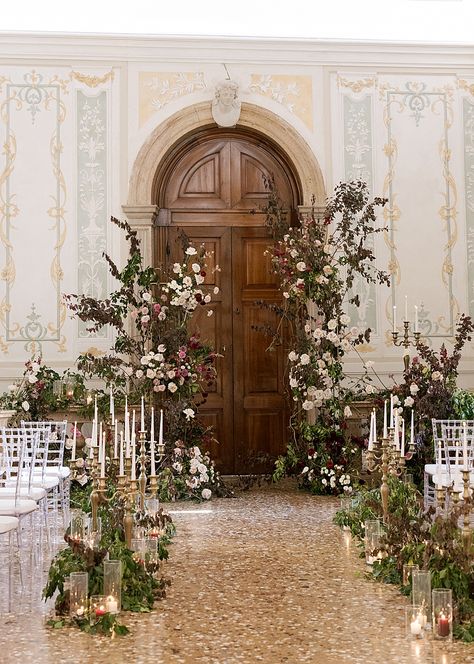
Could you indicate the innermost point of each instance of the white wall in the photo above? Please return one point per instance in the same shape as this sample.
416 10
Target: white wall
75 110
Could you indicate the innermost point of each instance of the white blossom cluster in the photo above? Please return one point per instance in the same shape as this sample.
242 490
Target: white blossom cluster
184 290
195 468
167 374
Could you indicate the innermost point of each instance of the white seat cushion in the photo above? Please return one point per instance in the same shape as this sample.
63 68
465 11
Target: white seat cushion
8 523
55 471
34 493
22 506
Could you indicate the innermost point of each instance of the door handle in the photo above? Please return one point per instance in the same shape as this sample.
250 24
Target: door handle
237 311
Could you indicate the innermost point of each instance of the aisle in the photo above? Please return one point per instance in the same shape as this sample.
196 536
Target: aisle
264 577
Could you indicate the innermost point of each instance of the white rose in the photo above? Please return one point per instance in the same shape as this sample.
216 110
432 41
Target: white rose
189 412
139 373
347 412
308 405
292 356
332 324
409 401
161 348
172 387
370 389
293 253
437 375
25 405
301 266
216 290
177 466
327 269
32 378
414 388
176 268
396 400
191 251
206 494
150 373
196 267
305 470
146 297
345 319
305 359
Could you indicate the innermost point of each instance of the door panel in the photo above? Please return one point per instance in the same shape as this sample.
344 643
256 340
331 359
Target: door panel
217 330
215 192
258 373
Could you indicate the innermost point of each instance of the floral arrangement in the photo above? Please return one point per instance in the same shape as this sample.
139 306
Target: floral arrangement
318 262
32 396
158 352
191 475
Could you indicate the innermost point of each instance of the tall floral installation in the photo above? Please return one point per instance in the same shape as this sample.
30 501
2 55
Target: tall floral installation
317 262
157 356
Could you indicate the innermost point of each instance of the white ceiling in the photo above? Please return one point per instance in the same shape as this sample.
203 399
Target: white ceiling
444 21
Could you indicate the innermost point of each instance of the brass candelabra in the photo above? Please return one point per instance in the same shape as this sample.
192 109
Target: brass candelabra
406 341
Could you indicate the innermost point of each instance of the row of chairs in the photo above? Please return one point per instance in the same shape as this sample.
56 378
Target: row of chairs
448 436
33 481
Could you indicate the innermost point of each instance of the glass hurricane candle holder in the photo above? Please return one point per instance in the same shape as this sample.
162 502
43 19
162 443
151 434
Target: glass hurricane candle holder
78 526
138 547
346 506
78 585
152 505
415 622
113 585
97 607
373 537
421 591
408 570
442 613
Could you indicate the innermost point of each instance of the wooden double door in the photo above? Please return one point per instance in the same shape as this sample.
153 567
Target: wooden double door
214 195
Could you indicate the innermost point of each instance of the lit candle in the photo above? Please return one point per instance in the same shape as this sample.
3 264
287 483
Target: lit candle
112 407
160 435
391 410
406 307
464 446
412 429
96 416
394 317
100 610
443 625
142 416
415 627
73 453
402 450
94 433
416 318
385 432
121 471
133 471
102 459
100 433
152 424
133 423
112 604
116 440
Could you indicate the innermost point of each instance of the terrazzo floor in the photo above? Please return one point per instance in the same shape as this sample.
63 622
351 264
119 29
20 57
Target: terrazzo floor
264 577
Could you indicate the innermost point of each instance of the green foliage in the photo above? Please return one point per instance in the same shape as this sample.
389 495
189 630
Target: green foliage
463 404
107 625
411 535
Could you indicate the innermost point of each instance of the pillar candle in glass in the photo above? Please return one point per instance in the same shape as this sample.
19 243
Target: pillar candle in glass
421 591
113 585
78 525
415 621
442 600
78 584
373 535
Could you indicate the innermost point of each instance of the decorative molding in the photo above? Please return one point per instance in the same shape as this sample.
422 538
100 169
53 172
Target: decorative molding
358 166
468 130
294 92
92 201
32 95
157 89
92 81
356 86
416 98
464 85
196 116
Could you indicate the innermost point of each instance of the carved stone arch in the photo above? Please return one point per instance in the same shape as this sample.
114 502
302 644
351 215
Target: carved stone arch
198 116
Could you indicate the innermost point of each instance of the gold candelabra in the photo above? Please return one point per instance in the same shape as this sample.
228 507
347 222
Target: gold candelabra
467 506
406 341
386 457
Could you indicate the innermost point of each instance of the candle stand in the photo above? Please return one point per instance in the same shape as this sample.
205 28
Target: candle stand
406 341
467 506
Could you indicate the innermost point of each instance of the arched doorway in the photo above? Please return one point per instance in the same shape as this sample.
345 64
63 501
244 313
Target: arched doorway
211 186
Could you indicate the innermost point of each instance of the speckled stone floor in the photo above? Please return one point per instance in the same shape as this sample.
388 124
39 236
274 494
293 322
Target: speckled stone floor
265 577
